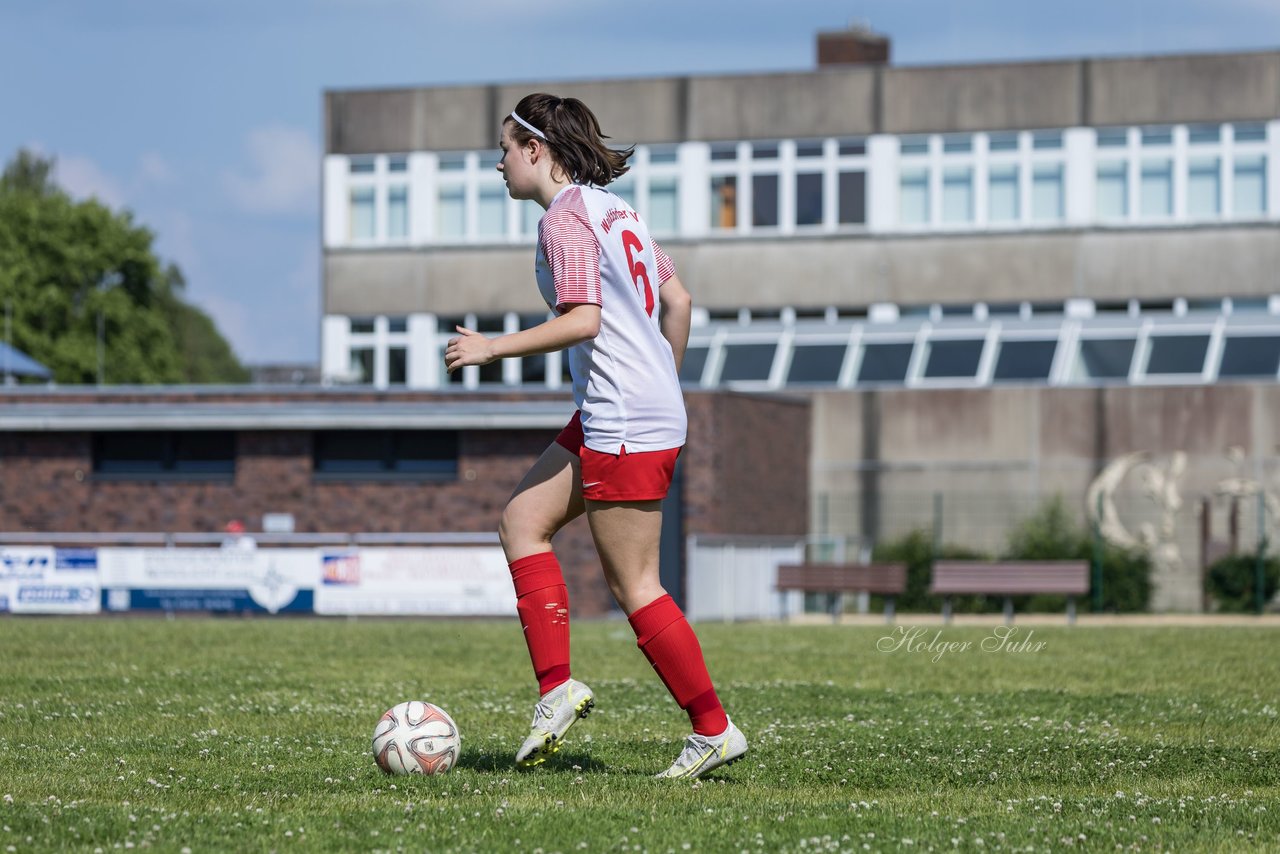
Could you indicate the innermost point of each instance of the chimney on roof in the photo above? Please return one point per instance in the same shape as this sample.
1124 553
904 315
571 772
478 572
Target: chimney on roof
857 45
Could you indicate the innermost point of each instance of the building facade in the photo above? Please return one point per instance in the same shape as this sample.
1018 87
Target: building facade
1005 251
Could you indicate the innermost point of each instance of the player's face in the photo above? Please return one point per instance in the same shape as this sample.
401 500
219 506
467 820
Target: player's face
515 167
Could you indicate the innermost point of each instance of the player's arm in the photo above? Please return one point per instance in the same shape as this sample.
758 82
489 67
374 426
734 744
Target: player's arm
677 308
579 322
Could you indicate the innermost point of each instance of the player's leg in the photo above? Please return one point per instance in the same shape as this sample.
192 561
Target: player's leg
627 536
547 499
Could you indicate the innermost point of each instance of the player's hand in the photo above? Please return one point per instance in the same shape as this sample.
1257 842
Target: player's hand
469 348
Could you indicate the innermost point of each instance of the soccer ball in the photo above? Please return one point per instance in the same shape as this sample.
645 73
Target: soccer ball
416 738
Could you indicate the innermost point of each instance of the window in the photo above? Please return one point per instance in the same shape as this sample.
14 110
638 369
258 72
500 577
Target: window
764 200
1204 194
451 213
1002 142
1203 134
662 154
1046 139
363 219
1157 136
852 146
491 214
397 324
1156 199
397 366
1251 132
957 144
816 363
1250 356
533 369
1106 358
957 194
398 212
724 201
809 148
852 200
428 454
361 365
530 215
362 165
1112 193
953 359
885 363
809 199
747 362
362 325
914 145
1177 354
1112 137
1046 193
1024 360
453 162
664 206
189 454
1002 193
695 359
724 151
1249 189
913 200
398 163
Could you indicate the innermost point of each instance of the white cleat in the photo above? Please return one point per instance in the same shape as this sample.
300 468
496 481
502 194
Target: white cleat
559 709
703 753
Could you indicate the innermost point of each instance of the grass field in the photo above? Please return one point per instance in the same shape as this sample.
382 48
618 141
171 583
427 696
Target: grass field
253 735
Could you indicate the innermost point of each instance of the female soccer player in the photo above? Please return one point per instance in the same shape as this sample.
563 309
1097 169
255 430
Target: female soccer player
623 315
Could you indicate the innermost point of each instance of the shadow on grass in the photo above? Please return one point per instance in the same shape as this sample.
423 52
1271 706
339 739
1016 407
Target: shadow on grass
493 761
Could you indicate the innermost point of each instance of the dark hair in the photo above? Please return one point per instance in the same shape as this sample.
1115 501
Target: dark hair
573 136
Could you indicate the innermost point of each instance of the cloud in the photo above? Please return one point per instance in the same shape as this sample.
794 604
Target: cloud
283 175
82 178
154 169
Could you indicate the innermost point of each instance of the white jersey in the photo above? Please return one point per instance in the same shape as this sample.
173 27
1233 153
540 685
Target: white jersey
593 248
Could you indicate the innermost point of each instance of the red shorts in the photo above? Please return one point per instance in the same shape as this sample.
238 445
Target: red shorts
643 476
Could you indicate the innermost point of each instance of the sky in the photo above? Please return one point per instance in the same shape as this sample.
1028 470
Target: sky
204 117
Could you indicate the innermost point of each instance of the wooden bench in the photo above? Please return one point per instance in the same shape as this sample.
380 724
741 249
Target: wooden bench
1010 578
883 579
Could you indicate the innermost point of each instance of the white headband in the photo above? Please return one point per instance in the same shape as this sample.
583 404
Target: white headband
531 128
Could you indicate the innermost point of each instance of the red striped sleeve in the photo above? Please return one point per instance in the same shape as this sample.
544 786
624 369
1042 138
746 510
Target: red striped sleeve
666 269
571 250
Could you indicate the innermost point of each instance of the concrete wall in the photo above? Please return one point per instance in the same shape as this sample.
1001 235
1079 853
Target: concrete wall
1204 261
993 455
829 101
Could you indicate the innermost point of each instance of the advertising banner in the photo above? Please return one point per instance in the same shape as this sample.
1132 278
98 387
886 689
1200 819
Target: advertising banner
439 580
264 580
45 580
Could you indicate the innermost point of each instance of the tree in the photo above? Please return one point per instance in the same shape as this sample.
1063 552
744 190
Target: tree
68 268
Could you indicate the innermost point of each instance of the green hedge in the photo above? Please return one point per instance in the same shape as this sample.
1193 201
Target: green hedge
1050 534
1233 580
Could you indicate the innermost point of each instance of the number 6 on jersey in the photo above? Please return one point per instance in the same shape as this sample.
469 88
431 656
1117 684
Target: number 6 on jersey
639 272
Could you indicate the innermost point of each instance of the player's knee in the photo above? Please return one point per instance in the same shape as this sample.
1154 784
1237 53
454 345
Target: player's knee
515 531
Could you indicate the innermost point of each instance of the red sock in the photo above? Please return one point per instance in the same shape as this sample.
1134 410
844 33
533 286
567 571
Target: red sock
667 640
542 601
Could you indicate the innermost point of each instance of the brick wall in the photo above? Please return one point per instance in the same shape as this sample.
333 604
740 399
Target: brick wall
745 471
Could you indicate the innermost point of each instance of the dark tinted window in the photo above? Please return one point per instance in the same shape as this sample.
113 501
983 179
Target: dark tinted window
885 362
1107 358
816 363
949 359
1025 360
853 198
747 362
197 453
1177 354
1250 356
695 359
386 452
